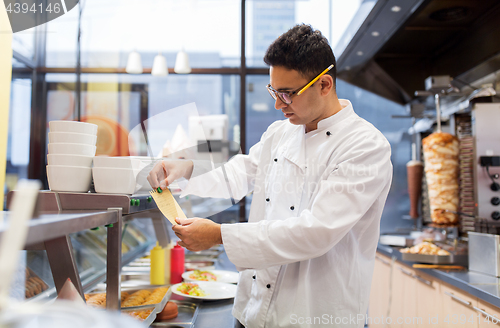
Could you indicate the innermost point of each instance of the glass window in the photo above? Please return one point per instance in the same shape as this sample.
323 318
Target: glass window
24 42
18 142
209 31
260 111
17 64
266 20
61 40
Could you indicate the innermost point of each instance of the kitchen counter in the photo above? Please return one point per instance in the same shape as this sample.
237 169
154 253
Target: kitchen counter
484 287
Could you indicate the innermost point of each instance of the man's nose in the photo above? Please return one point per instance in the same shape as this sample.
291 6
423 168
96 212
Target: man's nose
279 104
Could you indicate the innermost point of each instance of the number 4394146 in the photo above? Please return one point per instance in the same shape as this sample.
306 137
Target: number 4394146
34 8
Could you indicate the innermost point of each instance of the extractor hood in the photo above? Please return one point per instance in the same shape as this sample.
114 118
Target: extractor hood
401 43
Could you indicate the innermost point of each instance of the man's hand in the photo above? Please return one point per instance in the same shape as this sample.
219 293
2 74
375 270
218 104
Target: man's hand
167 171
197 234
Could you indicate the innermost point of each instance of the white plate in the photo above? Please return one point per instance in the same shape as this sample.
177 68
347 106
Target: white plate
213 290
229 277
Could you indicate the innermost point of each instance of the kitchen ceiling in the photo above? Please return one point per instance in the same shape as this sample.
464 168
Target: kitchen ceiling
401 43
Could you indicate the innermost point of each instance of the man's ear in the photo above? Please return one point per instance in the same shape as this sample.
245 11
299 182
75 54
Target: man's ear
326 84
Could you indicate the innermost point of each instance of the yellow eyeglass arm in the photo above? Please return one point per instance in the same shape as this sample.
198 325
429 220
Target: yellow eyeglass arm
315 79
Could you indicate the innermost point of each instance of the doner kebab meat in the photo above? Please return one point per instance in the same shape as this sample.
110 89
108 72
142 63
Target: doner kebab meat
441 172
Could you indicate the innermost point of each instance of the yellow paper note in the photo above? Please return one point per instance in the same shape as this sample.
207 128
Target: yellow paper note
168 205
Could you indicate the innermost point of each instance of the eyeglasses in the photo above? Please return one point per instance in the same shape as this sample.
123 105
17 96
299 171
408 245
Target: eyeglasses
286 96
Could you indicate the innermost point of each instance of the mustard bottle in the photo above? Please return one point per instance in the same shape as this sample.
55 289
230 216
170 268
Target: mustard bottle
157 274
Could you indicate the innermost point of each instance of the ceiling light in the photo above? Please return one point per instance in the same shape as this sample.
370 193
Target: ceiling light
159 66
375 33
359 53
396 9
182 63
134 65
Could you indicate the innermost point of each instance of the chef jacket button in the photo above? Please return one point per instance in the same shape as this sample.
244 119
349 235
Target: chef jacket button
253 277
328 133
292 207
267 199
268 286
275 159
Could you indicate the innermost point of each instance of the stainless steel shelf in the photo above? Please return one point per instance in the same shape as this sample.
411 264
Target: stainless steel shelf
53 230
52 225
70 201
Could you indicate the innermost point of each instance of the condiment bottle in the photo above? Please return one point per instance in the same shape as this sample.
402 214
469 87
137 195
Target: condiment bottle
176 264
157 274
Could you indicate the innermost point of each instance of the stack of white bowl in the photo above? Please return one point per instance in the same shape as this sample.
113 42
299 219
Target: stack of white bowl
115 175
72 147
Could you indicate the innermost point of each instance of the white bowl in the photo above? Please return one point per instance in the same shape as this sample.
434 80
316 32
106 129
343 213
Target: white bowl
114 180
123 162
72 149
73 126
71 160
69 178
71 137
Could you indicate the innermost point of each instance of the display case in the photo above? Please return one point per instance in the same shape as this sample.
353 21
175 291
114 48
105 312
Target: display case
89 252
80 231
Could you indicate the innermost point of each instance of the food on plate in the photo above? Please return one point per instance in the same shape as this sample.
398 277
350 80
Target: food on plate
141 315
441 152
191 289
425 248
203 276
170 311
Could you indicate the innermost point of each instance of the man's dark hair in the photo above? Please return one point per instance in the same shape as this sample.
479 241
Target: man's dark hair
303 49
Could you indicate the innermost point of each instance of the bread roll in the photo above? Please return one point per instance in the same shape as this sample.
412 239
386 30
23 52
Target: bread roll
170 311
441 172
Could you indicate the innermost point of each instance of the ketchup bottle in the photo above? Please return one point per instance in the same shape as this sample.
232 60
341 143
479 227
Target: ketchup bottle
176 264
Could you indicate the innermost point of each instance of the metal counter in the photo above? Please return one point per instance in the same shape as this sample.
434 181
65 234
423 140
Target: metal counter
484 287
215 313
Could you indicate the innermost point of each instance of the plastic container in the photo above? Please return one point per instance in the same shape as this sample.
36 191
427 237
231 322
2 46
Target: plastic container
157 274
176 264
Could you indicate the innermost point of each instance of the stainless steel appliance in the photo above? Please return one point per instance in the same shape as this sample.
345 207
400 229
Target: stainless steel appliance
484 253
486 132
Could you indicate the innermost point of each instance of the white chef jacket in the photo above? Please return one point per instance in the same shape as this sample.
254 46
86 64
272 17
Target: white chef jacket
306 254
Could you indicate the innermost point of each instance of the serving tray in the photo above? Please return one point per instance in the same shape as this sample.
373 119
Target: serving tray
188 311
149 319
435 259
158 306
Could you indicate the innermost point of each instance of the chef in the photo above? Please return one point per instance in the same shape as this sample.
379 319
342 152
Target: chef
319 178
